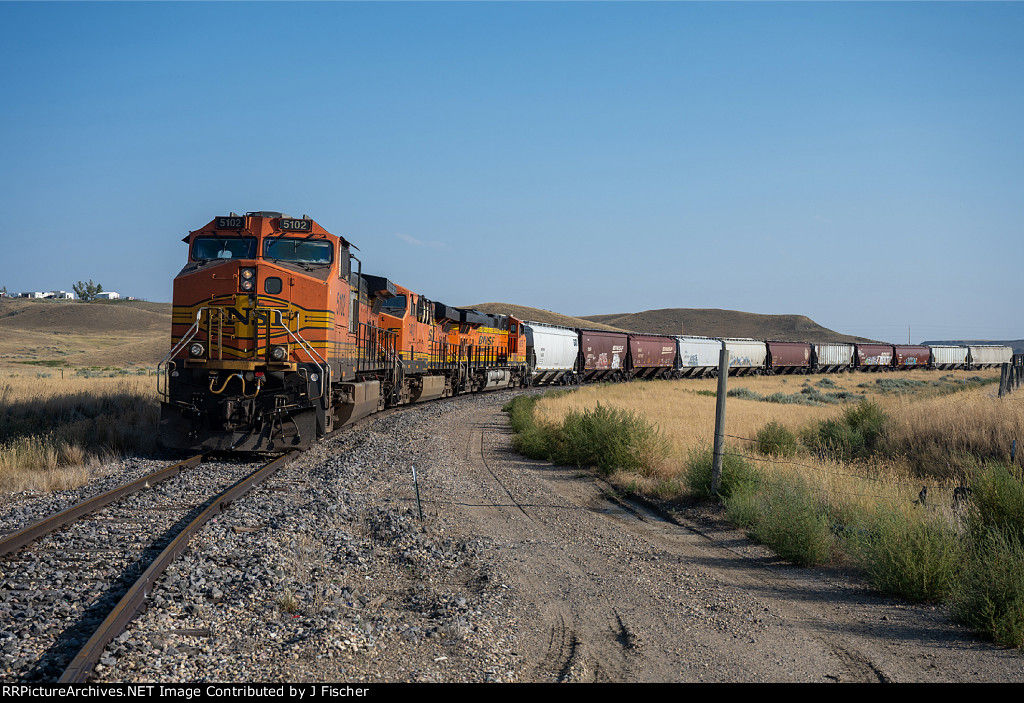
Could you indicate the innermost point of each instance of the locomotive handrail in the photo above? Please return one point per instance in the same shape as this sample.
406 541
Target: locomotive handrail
308 348
185 339
397 366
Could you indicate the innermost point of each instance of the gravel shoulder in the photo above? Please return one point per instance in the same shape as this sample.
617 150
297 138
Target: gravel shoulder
519 572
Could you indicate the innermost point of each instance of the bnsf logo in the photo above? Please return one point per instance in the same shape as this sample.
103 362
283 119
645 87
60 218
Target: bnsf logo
245 314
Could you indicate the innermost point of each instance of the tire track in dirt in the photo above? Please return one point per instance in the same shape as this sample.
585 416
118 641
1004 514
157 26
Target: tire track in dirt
608 590
578 649
856 666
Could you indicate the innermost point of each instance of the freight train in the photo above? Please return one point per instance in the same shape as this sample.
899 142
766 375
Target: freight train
561 355
279 336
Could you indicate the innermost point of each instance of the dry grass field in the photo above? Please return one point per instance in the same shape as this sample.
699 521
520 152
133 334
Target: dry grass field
76 387
924 413
53 430
685 409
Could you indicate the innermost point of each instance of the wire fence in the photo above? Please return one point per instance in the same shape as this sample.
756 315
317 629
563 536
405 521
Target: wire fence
773 460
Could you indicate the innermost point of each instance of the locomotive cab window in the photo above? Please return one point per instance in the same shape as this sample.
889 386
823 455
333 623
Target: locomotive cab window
394 306
300 251
213 248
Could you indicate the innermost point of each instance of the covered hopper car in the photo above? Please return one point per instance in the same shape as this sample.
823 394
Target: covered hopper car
789 357
908 356
984 356
746 356
697 356
551 352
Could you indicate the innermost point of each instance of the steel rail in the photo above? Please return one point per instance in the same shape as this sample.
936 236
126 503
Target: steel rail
133 602
19 539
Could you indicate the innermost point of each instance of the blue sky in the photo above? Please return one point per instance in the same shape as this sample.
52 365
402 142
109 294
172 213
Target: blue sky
859 163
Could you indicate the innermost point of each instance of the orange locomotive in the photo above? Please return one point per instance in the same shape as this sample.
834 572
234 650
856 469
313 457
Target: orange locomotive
278 337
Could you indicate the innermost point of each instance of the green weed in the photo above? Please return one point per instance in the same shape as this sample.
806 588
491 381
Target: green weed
737 472
914 556
789 519
775 439
605 437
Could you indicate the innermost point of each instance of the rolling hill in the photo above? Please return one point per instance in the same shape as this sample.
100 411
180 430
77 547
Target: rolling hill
537 315
724 323
72 333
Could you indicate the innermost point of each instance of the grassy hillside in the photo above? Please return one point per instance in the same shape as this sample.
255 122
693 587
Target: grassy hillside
724 323
54 333
537 315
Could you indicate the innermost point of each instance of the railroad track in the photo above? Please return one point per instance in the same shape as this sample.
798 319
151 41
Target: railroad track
70 583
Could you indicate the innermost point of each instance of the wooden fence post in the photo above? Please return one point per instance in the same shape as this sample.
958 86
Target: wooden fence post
723 375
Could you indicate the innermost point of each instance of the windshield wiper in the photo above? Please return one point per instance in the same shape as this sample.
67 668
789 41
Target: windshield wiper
303 264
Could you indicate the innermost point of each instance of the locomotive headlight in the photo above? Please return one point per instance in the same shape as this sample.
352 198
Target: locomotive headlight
196 350
247 279
248 274
279 353
246 285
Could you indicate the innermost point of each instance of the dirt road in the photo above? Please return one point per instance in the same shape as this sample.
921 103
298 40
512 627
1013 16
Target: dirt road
607 590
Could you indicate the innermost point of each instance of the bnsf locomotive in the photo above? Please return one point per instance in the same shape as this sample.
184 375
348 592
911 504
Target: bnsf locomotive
278 337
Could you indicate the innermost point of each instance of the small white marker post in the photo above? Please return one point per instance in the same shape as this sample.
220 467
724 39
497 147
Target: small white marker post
416 484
